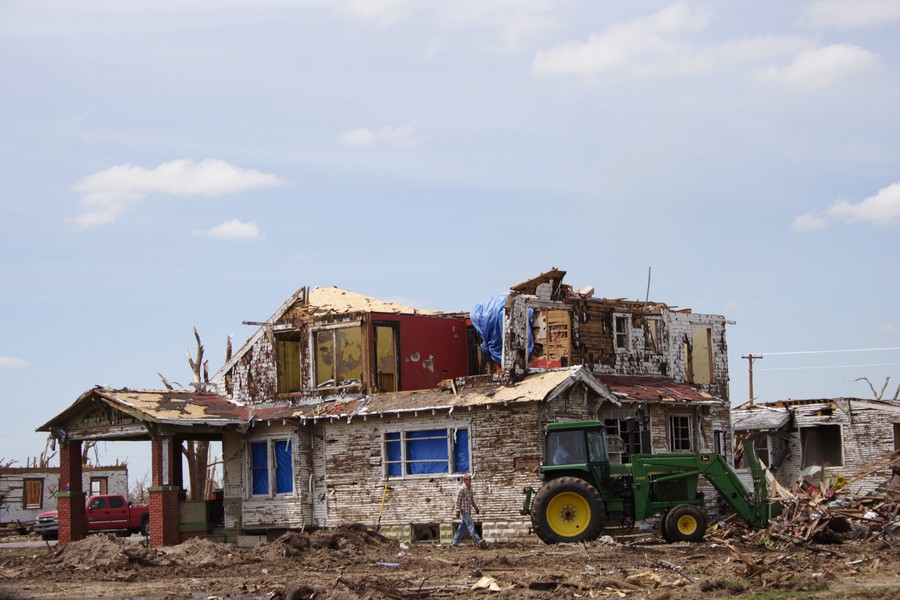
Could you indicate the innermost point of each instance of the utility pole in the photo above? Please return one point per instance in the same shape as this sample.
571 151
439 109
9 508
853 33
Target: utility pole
751 358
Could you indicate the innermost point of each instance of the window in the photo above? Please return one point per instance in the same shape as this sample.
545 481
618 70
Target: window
719 446
386 371
271 467
821 446
698 355
338 356
621 331
629 430
287 357
98 486
565 448
33 496
651 334
116 502
426 452
680 433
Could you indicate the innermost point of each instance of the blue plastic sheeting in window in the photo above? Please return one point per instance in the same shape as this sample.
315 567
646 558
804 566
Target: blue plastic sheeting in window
284 471
392 446
487 319
260 467
428 455
461 451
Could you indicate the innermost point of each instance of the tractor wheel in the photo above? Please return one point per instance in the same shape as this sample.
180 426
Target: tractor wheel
663 529
567 509
685 523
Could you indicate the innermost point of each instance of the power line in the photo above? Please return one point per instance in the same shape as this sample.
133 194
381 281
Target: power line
830 367
828 351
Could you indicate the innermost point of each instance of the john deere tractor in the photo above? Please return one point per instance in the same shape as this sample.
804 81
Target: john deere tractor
581 489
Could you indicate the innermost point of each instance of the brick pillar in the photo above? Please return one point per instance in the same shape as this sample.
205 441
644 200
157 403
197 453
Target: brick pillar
70 498
164 492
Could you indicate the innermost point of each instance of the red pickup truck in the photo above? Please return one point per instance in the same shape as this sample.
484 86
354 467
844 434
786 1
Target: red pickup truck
107 513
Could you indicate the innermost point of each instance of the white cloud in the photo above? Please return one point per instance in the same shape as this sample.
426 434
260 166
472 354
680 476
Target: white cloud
890 329
379 12
657 46
880 210
395 136
234 230
840 14
821 67
13 363
106 194
811 221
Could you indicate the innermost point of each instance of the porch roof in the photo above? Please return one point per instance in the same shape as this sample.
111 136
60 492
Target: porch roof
166 407
759 418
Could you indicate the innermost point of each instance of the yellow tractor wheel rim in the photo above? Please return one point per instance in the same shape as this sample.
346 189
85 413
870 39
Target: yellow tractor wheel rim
687 525
568 514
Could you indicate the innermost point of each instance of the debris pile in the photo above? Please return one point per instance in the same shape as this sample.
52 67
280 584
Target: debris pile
829 515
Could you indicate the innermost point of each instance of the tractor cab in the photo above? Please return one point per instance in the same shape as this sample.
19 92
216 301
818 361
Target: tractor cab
579 446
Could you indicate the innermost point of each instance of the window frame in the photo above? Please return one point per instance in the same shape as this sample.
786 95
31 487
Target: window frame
40 496
452 461
805 432
671 432
314 354
617 334
270 472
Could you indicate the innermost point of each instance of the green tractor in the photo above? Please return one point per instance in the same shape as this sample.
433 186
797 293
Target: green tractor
582 489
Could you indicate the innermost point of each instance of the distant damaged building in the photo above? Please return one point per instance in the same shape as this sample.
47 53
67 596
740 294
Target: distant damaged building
822 441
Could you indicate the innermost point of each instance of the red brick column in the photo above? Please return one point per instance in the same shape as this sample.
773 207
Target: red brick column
70 498
164 513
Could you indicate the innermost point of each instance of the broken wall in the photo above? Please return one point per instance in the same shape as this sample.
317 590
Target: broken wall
622 338
866 434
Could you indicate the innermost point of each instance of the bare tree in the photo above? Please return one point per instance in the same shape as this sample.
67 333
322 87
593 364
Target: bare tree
876 394
137 490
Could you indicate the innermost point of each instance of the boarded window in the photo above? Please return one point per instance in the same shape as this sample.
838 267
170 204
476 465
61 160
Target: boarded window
551 331
339 357
651 334
680 433
699 355
33 496
822 446
425 452
290 376
99 486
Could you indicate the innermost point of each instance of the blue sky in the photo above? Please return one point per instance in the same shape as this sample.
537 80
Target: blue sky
165 165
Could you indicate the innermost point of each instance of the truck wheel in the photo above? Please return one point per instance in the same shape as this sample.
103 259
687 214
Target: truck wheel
145 527
685 523
567 509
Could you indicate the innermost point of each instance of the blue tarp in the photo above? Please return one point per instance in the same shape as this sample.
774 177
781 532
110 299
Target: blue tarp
488 321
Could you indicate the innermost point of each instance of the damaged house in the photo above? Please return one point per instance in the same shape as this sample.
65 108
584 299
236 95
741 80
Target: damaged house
344 408
821 441
362 410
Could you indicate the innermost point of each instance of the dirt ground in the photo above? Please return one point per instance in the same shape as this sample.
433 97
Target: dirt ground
356 562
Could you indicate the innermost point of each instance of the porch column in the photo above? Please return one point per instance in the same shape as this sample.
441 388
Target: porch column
70 498
164 492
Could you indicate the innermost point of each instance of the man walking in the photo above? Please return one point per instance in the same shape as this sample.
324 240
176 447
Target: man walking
465 502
